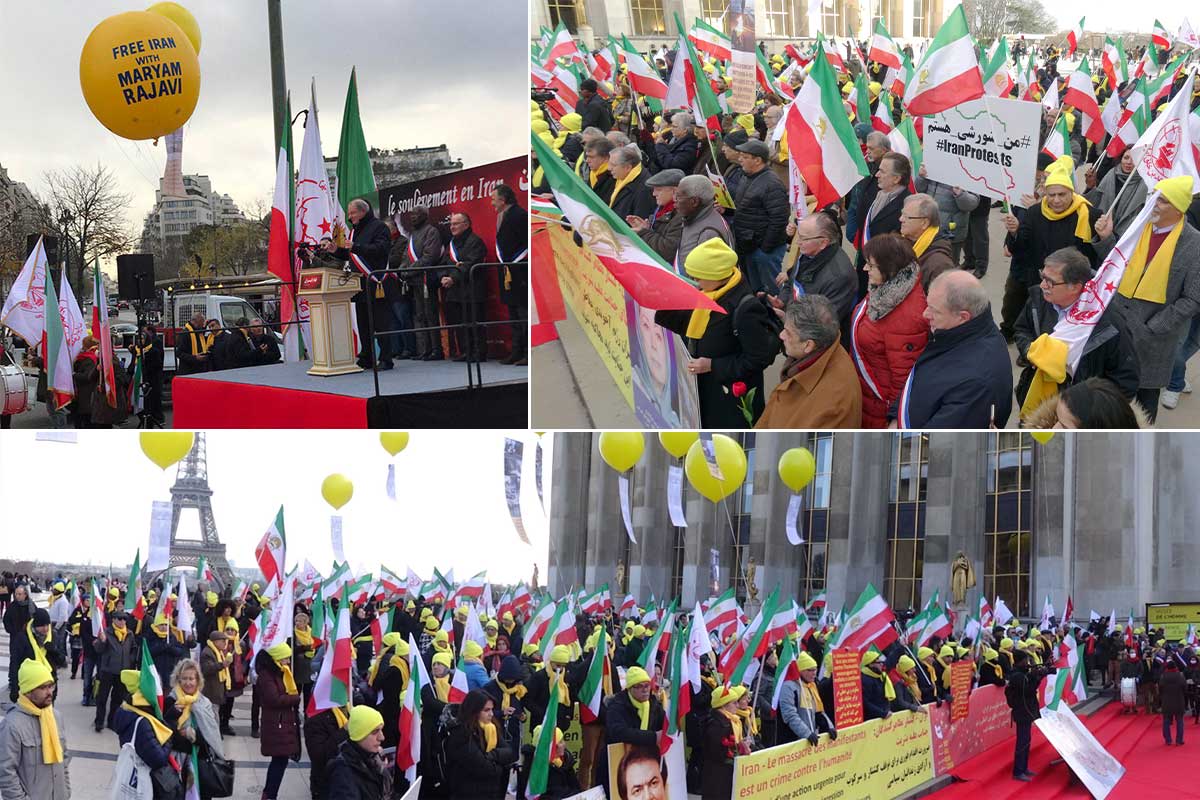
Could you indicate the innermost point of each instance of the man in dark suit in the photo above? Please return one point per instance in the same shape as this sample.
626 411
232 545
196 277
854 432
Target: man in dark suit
464 299
370 245
880 205
512 248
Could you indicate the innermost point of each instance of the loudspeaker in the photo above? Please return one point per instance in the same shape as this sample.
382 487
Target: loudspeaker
135 276
49 242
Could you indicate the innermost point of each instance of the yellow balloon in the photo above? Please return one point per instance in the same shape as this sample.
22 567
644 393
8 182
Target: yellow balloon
139 75
797 467
394 441
677 442
337 490
166 447
1042 436
621 450
730 458
181 17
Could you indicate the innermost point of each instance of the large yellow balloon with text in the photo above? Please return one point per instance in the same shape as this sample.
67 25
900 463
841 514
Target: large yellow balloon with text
139 75
622 449
731 460
165 448
337 490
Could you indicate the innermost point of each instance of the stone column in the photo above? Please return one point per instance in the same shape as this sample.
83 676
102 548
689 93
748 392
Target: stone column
779 559
606 530
651 558
1177 512
954 515
706 530
858 552
569 511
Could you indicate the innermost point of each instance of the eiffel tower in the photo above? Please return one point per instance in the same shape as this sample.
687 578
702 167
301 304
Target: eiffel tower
191 491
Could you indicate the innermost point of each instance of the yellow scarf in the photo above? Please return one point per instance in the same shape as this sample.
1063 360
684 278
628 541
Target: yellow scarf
200 341
223 674
945 673
39 648
564 694
747 714
995 668
289 680
161 732
924 240
699 321
1082 229
491 642
623 182
517 690
184 701
52 752
813 695
441 688
222 624
304 640
120 633
340 716
595 174
643 710
1049 356
910 680
401 663
374 670
489 736
889 691
1144 281
735 722
579 165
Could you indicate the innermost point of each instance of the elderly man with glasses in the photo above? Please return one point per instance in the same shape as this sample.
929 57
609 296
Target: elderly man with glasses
920 223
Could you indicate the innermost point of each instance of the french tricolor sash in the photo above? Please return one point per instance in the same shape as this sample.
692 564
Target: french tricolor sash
412 252
902 410
500 256
453 252
856 355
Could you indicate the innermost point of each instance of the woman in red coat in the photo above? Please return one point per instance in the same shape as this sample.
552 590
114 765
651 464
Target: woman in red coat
887 330
280 730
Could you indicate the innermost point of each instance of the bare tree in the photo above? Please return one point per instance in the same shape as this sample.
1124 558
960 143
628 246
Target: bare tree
89 209
991 18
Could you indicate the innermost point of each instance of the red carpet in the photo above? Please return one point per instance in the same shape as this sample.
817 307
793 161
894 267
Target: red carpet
1151 768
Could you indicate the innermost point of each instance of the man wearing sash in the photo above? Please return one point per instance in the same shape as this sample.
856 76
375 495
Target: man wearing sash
465 299
367 252
512 250
424 250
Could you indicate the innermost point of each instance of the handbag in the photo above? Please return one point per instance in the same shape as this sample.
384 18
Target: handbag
131 780
167 783
216 773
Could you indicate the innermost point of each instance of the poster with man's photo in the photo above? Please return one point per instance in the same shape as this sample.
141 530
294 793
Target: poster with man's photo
664 392
636 773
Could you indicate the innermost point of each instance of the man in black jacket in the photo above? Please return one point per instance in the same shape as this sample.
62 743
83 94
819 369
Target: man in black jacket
677 147
263 343
963 378
760 223
1022 696
192 345
592 109
630 194
512 248
150 349
370 245
823 268
462 303
623 722
1108 352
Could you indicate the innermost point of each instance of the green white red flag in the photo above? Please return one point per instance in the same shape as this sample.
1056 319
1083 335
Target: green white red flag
1081 94
883 47
710 41
1074 36
1057 140
869 623
1160 37
904 140
787 670
591 692
539 770
678 704
408 749
997 80
643 77
100 331
271 550
737 659
948 73
333 686
133 592
149 683
561 46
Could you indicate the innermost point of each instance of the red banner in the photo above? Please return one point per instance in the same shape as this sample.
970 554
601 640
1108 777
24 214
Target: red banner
961 673
986 725
847 688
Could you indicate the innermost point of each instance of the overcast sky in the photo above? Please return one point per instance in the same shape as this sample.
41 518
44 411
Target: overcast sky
447 72
91 500
1111 15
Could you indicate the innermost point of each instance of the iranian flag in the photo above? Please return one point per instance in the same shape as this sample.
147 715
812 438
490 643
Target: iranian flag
594 603
869 622
100 330
710 41
97 611
678 704
521 598
1112 59
658 642
539 771
271 549
1133 121
787 670
203 571
25 306
1166 148
1110 115
1074 36
133 593
832 56
985 612
1129 624
280 260
561 46
408 749
722 614
59 378
1057 141
459 687
591 693
391 582
604 63
997 80
149 684
643 78
897 79
1002 614
560 630
1069 611
1160 37
1028 87
540 621
472 589
751 644
766 78
333 686
643 273
355 179
948 73
782 624
1189 638
817 604
1082 95
881 120
628 605
821 141
688 86
1070 684
883 48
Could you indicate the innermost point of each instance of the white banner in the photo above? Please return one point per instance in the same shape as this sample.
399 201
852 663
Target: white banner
988 146
795 509
675 495
160 536
1086 757
391 482
623 484
335 532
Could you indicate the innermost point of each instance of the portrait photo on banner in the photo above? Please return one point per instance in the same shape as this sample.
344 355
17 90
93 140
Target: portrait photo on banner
664 392
636 773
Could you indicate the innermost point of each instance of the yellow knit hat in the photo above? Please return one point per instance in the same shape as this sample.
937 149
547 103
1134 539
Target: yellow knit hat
443 659
209 597
1177 190
722 696
634 676
431 623
1061 173
711 261
561 654
539 125
32 675
905 663
392 639
947 651
280 651
870 657
746 121
471 649
363 720
130 679
924 652
572 122
805 661
1006 643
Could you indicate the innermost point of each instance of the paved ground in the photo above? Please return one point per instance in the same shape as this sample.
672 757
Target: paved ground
571 388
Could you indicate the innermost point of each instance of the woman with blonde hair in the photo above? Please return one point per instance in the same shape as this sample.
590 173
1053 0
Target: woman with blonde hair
197 715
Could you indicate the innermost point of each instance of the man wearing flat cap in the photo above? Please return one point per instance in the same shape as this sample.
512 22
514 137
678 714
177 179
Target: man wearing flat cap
664 227
729 348
1160 289
760 223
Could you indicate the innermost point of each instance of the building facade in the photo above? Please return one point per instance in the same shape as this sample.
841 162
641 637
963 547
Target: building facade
776 22
20 215
1110 518
396 166
173 217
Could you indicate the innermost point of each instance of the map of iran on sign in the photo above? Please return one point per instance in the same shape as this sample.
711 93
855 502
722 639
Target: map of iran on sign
988 146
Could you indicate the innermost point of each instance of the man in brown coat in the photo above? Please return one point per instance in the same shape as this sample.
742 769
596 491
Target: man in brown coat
920 222
1172 688
819 386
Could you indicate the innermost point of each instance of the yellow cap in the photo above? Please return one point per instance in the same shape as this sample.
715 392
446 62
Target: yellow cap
947 651
471 649
1177 190
491 625
507 616
441 638
115 592
1061 172
209 597
392 639
905 663
805 661
443 659
558 734
58 587
561 654
1006 643
634 676
363 720
32 675
722 696
870 657
572 122
712 260
130 679
874 87
746 121
431 623
280 651
528 649
160 619
989 654
924 652
539 126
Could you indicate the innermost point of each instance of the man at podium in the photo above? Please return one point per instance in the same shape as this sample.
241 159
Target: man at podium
368 254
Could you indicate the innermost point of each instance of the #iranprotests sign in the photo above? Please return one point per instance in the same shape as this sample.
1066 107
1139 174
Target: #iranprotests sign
1086 757
988 146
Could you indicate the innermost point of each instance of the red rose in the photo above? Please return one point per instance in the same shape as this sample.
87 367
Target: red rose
739 389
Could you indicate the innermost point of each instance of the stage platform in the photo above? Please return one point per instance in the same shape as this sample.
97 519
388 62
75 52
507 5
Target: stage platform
415 394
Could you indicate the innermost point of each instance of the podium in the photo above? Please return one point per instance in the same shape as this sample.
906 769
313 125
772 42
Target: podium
327 292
